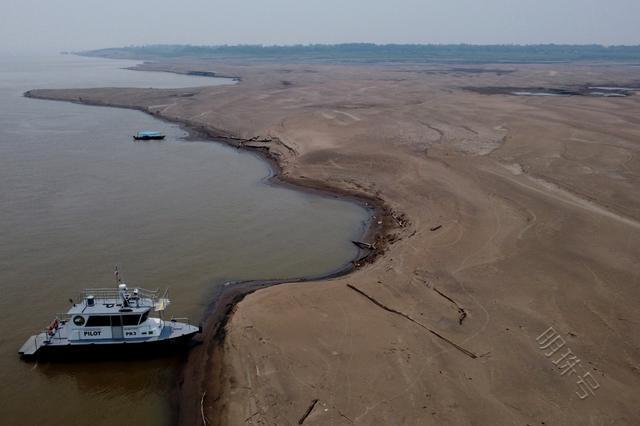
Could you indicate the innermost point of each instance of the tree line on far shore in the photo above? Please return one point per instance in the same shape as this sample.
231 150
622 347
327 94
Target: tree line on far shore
369 52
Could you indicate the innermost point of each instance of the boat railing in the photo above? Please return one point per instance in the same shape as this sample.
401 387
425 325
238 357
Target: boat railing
114 293
52 332
177 322
63 317
49 337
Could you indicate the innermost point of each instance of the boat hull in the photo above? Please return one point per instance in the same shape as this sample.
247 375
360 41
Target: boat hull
149 138
111 351
175 336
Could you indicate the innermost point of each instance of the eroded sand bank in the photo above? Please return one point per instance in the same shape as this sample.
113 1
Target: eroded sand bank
522 213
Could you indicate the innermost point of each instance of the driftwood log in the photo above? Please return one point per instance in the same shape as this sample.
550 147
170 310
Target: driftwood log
363 245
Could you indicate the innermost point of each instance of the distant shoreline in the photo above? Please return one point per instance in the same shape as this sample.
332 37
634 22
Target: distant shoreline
206 74
382 53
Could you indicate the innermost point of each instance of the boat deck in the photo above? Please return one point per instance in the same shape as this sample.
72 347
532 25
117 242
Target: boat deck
33 344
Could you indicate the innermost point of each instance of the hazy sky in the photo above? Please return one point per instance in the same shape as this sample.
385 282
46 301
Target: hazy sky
84 24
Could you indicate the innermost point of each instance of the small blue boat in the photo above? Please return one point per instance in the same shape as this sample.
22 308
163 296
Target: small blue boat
147 135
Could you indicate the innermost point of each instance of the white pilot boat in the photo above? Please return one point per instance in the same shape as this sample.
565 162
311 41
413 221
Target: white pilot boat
111 318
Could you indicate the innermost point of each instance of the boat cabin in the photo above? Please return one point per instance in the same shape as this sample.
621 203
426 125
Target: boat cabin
109 314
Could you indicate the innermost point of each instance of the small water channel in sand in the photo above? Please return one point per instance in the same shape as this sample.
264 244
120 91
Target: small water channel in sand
77 196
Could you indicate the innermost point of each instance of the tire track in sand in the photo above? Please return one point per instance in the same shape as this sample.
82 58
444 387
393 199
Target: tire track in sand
551 190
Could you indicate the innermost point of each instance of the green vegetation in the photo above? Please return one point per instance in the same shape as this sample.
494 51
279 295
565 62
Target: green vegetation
367 52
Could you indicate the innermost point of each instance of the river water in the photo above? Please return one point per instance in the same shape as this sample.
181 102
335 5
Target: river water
77 197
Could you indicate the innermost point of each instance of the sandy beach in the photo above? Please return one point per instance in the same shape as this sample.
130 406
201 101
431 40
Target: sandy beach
504 284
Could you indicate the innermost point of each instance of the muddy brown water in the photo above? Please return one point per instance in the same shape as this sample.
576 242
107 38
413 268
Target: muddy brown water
77 196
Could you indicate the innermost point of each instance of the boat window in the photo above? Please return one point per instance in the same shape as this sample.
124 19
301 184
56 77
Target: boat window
144 317
115 320
130 319
98 321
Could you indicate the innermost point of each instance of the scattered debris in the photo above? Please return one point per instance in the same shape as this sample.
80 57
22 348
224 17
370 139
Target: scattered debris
393 311
309 410
391 238
401 219
204 419
462 314
435 228
251 416
363 245
343 415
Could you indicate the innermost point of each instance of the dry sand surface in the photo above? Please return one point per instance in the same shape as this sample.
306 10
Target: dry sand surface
523 213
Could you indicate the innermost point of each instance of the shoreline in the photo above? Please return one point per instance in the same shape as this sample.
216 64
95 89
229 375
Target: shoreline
205 361
375 205
515 207
373 233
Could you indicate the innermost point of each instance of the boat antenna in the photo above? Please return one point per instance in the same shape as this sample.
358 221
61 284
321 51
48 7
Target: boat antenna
117 275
